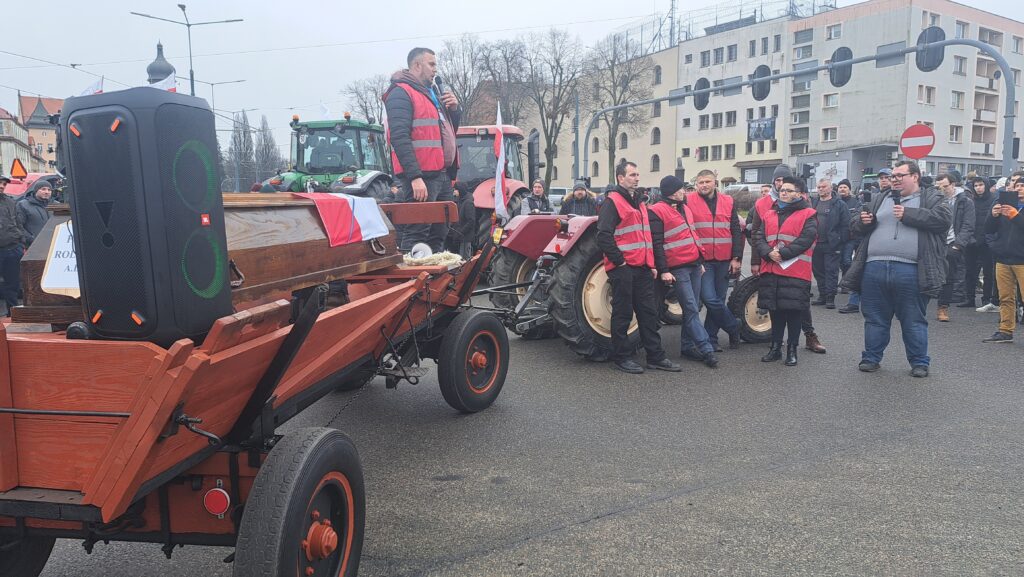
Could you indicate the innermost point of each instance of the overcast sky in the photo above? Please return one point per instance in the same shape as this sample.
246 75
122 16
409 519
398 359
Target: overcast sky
292 56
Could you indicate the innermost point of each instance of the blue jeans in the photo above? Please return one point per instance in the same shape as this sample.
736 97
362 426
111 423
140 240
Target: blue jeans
687 287
846 258
10 269
890 289
713 286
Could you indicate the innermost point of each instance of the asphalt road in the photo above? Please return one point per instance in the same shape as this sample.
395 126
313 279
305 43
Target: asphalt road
750 469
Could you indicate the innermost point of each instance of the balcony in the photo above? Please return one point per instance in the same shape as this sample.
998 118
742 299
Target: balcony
983 83
988 116
983 149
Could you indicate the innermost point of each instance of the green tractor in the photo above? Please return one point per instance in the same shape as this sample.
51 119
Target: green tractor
345 155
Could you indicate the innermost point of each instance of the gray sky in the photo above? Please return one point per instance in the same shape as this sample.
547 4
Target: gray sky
271 50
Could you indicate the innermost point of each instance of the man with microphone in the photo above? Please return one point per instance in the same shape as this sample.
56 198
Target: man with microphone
422 121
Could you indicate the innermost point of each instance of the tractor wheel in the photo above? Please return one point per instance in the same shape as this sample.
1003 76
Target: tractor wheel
510 267
473 361
581 301
671 310
25 557
755 325
483 219
306 511
378 190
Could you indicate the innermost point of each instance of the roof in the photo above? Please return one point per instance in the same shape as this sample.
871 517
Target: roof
505 129
27 105
4 115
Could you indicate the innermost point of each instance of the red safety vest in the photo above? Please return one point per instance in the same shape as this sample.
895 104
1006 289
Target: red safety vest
680 242
632 235
763 205
713 230
426 132
789 232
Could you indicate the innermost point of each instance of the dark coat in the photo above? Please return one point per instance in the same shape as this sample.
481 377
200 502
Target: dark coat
963 220
835 228
932 219
982 212
1007 238
399 109
586 206
539 203
12 230
34 215
783 293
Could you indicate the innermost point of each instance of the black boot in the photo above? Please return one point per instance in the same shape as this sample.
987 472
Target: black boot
791 355
830 302
774 353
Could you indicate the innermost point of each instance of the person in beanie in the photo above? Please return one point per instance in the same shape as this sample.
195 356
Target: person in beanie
580 202
12 243
537 202
978 256
32 209
833 232
678 258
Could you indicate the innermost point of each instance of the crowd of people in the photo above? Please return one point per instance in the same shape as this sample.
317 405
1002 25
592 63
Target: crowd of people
20 222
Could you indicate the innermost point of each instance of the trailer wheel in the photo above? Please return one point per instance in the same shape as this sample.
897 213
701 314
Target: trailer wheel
755 325
510 267
473 361
27 557
671 310
581 301
306 511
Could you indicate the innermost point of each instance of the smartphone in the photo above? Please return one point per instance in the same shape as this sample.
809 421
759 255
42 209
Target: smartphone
867 196
1008 197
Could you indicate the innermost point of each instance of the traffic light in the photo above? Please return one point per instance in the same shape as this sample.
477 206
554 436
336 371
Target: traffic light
840 73
700 101
761 88
929 59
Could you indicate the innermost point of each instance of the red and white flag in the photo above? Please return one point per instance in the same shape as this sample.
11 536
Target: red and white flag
94 88
347 218
170 84
499 174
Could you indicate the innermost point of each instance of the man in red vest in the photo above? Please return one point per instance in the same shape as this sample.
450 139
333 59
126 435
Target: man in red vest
422 123
624 236
720 236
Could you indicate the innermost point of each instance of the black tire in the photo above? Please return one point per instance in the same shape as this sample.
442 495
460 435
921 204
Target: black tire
26 558
473 361
379 190
754 326
312 476
569 286
671 312
510 267
483 219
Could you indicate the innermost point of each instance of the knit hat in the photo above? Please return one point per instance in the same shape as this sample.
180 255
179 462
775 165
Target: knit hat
782 171
670 185
846 182
579 185
41 183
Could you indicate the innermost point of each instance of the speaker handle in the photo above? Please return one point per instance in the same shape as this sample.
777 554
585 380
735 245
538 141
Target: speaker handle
236 272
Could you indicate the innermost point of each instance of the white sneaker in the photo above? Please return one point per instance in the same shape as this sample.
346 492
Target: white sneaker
987 308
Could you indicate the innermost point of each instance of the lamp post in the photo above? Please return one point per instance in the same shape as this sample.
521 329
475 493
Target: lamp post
188 25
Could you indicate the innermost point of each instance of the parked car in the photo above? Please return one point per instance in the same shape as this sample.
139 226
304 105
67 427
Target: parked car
555 196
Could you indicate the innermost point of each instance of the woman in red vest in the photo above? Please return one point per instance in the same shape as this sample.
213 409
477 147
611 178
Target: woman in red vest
785 244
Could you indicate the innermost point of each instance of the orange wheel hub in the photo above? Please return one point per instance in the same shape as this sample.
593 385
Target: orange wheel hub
321 541
479 360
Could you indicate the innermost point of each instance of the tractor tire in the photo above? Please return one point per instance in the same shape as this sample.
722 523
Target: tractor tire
379 190
671 312
755 327
473 361
26 558
510 267
581 301
306 511
483 220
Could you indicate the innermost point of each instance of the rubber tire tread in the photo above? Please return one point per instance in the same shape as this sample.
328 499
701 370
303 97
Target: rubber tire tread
667 317
451 360
566 300
737 303
28 559
378 190
297 463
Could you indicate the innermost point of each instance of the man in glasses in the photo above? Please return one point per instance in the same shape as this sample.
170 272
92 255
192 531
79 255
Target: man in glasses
900 266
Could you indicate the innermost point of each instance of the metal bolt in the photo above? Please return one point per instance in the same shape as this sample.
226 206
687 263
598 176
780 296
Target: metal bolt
316 515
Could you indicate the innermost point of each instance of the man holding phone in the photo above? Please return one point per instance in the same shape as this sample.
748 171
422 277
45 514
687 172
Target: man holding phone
1007 227
901 265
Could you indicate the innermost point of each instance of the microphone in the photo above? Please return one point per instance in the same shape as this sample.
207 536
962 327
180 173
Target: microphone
895 194
439 84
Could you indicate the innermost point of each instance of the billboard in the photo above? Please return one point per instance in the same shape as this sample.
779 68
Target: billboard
761 129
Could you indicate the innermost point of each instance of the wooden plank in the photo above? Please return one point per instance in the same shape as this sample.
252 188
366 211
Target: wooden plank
8 440
58 453
421 212
48 314
246 325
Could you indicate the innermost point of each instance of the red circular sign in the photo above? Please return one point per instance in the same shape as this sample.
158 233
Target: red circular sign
917 141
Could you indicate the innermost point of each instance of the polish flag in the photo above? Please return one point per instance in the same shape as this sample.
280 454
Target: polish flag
348 218
94 88
499 173
170 84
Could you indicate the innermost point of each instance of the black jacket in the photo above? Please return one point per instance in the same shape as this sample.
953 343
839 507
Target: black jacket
982 214
963 220
777 292
34 215
399 109
607 220
835 230
12 230
586 206
658 237
1007 238
538 203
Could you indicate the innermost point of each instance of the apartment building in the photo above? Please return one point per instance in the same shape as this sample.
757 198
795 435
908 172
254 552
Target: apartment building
14 144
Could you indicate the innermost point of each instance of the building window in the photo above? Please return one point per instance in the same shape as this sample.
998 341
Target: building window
956 134
686 123
750 114
656 136
761 111
776 72
798 133
702 154
716 152
730 118
705 58
719 55
1016 76
960 65
834 32
656 110
956 100
803 36
773 145
801 85
797 149
1018 45
595 146
593 169
830 100
716 120
730 151
753 49
655 163
554 173
802 52
929 19
925 94
623 141
775 110
704 122
990 37
730 53
802 117
764 46
749 147
657 75
760 147
830 134
778 43
963 30
689 59
686 153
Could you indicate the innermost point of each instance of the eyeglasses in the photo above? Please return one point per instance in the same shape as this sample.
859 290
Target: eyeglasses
788 190
898 176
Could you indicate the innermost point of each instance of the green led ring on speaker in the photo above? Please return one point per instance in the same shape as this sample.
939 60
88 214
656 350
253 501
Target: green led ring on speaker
218 271
199 149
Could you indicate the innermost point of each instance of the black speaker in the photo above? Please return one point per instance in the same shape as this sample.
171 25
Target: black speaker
147 214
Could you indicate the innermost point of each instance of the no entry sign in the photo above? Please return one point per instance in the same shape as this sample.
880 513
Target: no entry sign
917 141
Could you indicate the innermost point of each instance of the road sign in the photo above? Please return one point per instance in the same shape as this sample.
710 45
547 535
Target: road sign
917 141
18 169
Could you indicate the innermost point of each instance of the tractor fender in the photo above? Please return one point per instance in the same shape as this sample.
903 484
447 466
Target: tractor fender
483 195
529 235
562 243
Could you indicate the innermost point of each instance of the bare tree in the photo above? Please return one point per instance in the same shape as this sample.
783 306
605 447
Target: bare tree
505 64
617 72
460 64
554 64
366 96
241 163
266 155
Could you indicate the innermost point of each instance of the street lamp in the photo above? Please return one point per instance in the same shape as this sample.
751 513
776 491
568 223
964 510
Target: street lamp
188 25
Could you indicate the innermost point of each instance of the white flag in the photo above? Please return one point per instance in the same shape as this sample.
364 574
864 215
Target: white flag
170 84
325 113
94 88
499 173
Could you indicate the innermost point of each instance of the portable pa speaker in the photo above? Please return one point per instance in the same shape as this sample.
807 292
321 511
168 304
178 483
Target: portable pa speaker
147 214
